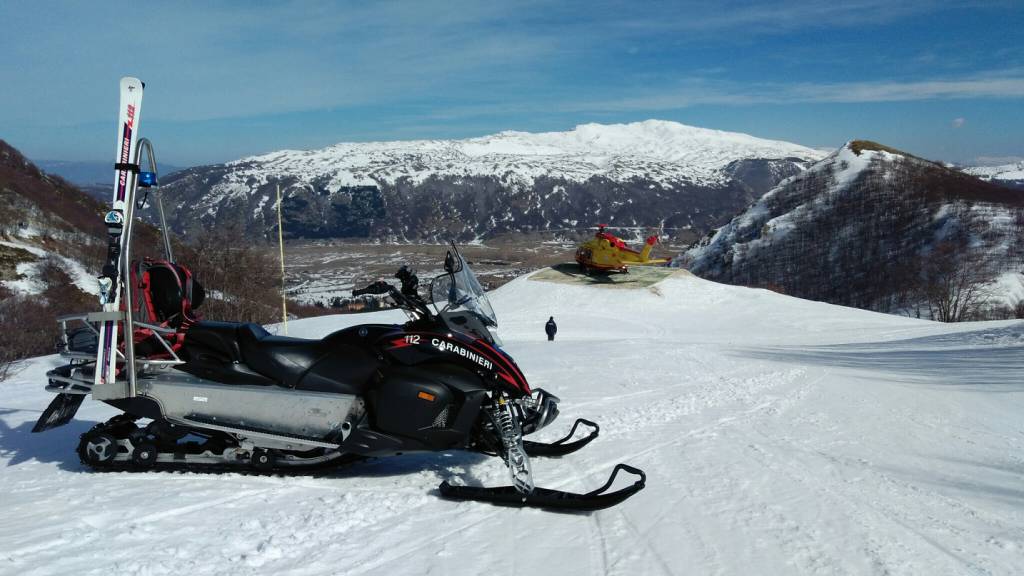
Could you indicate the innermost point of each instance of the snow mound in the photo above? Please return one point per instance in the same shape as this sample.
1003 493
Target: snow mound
794 436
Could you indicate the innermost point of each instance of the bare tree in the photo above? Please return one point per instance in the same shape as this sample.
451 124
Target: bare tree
28 320
29 330
954 280
6 363
240 276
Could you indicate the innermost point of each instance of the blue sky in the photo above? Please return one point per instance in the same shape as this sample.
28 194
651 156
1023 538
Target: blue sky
944 80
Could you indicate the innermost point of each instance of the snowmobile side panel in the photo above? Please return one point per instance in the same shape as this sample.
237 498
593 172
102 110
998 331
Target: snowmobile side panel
407 404
344 369
367 442
138 406
436 406
284 441
270 408
415 348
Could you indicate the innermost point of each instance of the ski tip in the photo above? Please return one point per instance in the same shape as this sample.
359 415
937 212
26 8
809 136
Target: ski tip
131 82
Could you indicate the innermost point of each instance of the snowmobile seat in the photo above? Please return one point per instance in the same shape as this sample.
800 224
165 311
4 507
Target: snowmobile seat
313 365
212 352
279 358
218 337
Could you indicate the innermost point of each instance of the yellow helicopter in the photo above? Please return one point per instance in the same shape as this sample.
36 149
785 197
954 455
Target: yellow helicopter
606 252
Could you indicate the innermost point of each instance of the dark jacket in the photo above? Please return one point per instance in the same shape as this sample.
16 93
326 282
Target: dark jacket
551 327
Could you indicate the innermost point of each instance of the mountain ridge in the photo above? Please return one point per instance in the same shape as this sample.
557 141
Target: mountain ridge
652 173
871 230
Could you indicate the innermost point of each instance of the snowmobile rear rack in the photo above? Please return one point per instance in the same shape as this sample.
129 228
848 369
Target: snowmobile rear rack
549 499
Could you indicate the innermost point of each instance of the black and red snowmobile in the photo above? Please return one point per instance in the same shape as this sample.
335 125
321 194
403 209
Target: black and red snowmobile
202 395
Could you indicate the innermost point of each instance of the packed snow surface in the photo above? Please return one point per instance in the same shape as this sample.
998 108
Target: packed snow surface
779 436
657 149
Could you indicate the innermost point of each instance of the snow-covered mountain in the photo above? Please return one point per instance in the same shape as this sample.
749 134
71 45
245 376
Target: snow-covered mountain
876 228
660 151
1007 174
779 436
644 173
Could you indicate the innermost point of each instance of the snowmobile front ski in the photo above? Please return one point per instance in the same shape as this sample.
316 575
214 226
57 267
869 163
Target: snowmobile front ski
125 175
562 446
549 499
522 493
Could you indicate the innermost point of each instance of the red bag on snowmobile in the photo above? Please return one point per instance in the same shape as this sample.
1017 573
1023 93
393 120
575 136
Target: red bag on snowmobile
163 294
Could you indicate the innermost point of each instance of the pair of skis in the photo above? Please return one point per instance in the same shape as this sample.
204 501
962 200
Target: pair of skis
125 180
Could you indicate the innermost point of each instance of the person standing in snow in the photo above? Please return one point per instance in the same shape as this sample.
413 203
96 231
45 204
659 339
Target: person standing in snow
551 328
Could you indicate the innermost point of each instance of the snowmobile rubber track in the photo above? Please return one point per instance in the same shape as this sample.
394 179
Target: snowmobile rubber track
554 500
242 467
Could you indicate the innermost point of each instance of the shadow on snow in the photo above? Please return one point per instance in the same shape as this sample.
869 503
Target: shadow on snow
989 360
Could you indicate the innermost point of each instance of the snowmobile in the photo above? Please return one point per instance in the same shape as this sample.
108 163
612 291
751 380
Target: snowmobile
606 252
204 395
235 396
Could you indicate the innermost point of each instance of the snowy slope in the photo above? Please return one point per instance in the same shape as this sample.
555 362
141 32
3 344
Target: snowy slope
28 281
780 436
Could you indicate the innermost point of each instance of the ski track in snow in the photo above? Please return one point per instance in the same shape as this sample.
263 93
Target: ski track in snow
778 436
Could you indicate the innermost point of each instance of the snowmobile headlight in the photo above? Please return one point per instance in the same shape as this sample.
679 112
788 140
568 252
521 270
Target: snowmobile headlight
539 410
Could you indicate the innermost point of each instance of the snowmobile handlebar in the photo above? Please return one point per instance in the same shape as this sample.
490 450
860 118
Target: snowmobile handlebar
379 287
407 297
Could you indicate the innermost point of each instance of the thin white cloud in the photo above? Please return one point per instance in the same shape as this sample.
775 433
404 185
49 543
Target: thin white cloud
1006 84
780 16
972 87
958 122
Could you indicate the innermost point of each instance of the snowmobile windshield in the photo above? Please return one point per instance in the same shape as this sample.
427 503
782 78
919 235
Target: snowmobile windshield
459 290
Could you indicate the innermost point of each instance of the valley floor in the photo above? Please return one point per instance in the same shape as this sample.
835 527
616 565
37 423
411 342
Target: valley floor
779 436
